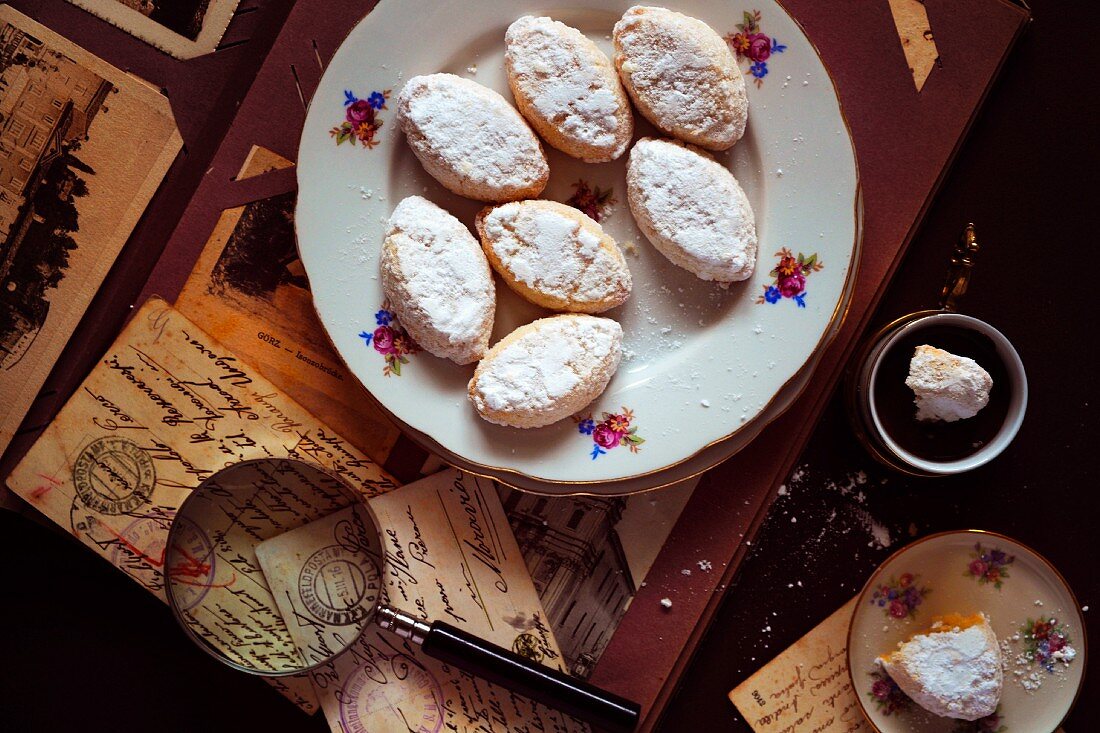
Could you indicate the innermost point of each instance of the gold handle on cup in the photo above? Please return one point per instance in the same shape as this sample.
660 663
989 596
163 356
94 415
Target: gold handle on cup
958 273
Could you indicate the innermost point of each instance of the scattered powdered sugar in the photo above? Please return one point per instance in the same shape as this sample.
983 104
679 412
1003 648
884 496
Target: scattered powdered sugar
442 275
553 252
692 209
547 362
666 602
554 68
466 129
705 566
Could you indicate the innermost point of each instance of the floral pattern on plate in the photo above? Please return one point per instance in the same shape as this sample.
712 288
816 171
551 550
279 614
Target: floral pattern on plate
753 46
593 202
900 597
886 694
1047 642
613 430
790 277
360 119
989 565
390 340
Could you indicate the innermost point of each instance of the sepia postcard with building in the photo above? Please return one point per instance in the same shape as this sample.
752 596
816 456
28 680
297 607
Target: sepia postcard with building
83 147
182 28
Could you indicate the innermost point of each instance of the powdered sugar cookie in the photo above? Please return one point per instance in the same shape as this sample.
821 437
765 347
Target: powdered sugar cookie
692 209
554 256
567 89
470 139
547 370
682 76
435 277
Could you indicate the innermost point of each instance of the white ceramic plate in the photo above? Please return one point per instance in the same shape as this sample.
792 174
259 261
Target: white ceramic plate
960 572
702 363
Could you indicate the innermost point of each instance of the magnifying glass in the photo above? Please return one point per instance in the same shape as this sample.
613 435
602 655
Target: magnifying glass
222 598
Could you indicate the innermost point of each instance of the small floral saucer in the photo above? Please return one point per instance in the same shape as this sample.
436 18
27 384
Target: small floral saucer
1031 609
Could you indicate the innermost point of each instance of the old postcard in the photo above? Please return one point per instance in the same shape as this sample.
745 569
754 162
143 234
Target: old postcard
447 554
83 147
166 408
588 556
182 28
326 580
249 290
806 688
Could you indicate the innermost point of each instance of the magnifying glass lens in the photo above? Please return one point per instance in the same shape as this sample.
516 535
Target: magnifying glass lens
247 584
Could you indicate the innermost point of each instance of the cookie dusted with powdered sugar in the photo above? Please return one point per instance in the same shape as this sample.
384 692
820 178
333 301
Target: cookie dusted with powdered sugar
547 370
567 89
953 669
470 139
682 76
691 209
554 256
436 279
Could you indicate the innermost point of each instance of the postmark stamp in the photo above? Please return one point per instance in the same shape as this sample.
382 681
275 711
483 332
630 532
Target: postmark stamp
114 476
527 646
139 551
191 570
338 586
410 703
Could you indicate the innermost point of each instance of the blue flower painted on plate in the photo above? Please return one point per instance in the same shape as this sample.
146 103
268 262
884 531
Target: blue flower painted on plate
753 46
790 278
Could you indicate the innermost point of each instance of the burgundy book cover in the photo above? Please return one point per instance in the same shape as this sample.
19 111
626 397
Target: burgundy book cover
904 140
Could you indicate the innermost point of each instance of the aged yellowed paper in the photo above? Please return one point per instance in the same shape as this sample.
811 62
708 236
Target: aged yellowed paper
250 291
83 146
806 688
326 580
166 407
182 28
260 160
447 553
917 41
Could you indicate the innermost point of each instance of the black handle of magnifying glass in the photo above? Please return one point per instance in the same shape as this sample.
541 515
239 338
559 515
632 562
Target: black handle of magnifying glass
521 675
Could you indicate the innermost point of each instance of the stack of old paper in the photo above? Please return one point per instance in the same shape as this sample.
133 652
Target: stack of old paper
167 406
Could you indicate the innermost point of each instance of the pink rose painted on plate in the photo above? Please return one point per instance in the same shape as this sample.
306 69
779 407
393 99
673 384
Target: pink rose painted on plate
612 431
390 340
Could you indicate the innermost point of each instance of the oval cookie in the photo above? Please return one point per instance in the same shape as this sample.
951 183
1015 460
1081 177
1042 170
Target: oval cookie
682 76
436 279
554 256
692 209
470 139
567 89
547 370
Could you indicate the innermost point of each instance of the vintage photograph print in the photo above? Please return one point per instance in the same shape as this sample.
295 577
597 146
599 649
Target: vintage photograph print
83 146
182 28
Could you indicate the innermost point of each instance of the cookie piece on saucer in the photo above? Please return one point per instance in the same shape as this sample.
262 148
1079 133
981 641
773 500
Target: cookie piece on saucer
953 669
947 387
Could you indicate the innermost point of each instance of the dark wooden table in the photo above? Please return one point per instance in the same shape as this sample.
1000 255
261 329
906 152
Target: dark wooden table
74 657
1027 176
